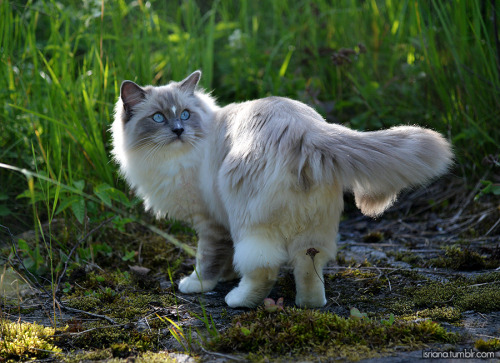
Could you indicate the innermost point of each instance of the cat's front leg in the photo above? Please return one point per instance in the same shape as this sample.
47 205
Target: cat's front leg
257 257
253 288
215 250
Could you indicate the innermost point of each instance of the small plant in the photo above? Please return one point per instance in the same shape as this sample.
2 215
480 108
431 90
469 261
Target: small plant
488 188
356 314
177 332
271 306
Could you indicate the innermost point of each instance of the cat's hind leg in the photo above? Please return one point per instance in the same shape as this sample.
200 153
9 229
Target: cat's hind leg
215 249
257 258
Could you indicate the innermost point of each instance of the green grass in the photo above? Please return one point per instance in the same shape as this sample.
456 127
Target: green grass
61 64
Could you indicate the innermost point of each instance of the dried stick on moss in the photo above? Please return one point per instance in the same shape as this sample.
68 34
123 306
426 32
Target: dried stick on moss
73 310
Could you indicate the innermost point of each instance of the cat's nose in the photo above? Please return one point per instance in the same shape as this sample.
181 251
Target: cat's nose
177 128
178 131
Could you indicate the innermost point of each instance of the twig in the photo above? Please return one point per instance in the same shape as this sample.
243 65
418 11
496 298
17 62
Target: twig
67 308
469 198
222 355
484 283
91 329
74 249
493 227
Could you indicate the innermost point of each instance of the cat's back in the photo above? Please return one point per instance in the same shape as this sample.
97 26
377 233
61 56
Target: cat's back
271 124
271 109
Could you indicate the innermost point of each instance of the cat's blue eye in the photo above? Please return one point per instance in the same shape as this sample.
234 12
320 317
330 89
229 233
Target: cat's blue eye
185 115
158 117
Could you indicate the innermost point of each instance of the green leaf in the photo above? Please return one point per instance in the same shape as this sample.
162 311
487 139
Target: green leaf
4 211
107 193
356 314
79 184
22 245
66 202
245 331
128 256
102 191
78 209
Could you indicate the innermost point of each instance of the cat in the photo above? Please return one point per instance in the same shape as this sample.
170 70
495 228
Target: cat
261 181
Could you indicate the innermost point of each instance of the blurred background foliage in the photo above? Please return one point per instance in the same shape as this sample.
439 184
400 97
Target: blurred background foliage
367 64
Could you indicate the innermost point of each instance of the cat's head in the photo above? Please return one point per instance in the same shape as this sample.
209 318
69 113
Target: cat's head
160 120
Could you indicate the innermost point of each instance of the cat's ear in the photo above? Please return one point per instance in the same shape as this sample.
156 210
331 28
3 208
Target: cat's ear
189 83
131 95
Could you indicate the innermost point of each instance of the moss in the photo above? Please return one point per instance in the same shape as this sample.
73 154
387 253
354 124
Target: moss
401 307
448 314
481 298
93 355
148 357
123 305
373 237
463 259
411 258
120 350
463 294
490 345
107 355
23 341
301 332
100 335
357 274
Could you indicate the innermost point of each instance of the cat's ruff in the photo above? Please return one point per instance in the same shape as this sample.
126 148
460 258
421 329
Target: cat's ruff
261 181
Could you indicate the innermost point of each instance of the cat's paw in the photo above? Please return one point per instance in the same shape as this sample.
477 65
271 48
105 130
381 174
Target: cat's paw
192 284
310 301
240 297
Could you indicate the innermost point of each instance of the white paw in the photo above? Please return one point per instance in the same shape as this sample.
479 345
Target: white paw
238 297
192 284
310 301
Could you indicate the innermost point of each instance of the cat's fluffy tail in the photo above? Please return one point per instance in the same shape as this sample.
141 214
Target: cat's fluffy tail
376 166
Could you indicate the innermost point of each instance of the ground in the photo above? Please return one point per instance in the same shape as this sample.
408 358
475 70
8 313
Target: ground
422 278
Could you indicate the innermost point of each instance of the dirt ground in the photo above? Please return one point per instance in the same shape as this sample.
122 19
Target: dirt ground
434 256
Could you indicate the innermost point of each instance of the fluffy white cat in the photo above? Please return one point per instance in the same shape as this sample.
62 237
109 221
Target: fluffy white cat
261 181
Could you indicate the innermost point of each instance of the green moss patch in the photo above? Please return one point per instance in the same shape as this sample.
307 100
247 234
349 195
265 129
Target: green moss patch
108 356
122 340
463 294
447 313
489 345
304 332
463 259
23 341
